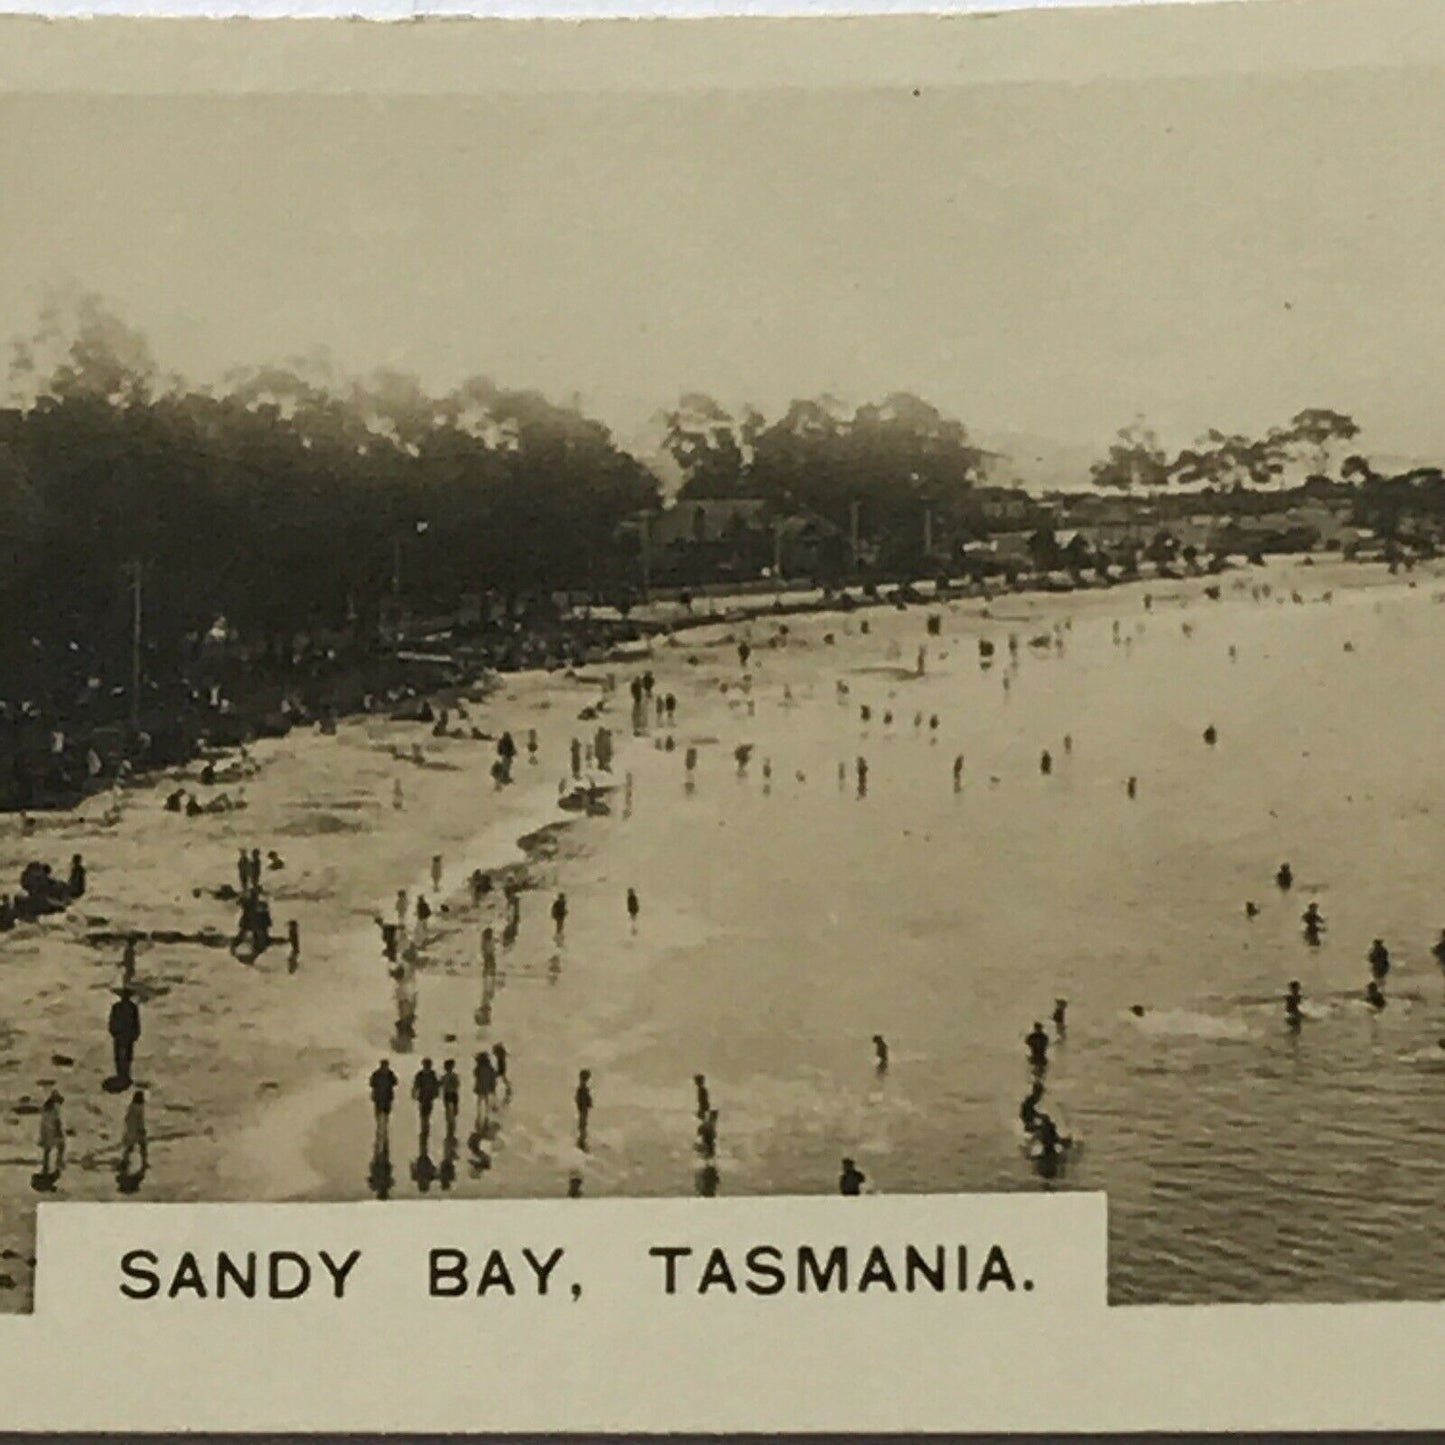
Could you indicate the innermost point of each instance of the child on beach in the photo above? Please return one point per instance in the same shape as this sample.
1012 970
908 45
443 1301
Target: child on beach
133 1137
52 1136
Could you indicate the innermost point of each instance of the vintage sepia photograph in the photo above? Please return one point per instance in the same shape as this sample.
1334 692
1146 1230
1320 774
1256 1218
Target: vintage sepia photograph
640 637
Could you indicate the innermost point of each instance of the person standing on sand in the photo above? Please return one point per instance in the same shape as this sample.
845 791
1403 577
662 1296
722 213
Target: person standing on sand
398 798
76 883
582 1098
704 1100
52 1136
383 1092
880 1054
436 873
576 758
124 1033
484 1086
425 1087
451 1087
293 937
243 871
559 916
634 907
489 953
133 1136
499 1054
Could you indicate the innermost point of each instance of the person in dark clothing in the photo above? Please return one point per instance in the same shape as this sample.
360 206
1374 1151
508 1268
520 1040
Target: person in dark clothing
293 938
1038 1043
1284 878
707 1135
451 1087
255 880
484 1086
559 916
1294 1005
1061 1007
124 1033
425 1088
499 1055
1029 1109
582 1098
1379 961
77 877
383 1093
852 1179
880 1053
704 1099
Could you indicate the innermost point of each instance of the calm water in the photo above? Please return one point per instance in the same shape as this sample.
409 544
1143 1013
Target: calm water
783 927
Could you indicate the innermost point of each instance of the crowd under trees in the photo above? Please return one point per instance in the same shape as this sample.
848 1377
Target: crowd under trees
289 505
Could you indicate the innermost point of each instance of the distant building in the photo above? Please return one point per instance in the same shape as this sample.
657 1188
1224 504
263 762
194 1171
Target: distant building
708 520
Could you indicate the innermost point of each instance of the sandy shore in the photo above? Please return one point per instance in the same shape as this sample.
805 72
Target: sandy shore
257 1077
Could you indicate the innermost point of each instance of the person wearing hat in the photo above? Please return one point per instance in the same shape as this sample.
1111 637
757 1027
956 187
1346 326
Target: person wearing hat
124 1032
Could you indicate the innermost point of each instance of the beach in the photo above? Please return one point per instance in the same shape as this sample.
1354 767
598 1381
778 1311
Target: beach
785 918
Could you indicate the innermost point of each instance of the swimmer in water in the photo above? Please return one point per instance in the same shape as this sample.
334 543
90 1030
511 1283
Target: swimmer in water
1210 735
880 1053
1029 1109
1375 995
1038 1046
1132 788
1379 957
1046 763
1137 1009
1284 879
1251 910
1293 1001
1314 923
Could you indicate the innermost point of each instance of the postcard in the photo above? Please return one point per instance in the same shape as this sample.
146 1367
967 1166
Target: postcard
723 725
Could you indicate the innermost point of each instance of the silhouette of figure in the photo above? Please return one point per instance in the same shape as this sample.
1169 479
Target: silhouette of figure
425 1089
382 1086
582 1098
124 1026
1038 1045
52 1137
133 1138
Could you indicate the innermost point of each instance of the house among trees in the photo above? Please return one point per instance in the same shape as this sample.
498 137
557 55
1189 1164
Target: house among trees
718 539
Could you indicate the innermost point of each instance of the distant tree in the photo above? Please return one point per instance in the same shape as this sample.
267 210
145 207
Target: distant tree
1135 461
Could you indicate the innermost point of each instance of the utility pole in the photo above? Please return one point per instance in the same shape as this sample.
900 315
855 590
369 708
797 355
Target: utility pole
853 511
135 644
778 550
927 533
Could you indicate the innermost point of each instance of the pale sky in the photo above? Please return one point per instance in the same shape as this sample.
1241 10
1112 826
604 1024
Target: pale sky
1040 257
